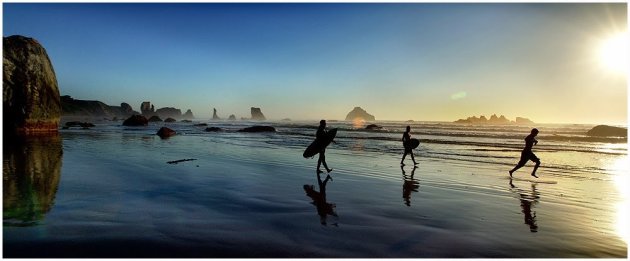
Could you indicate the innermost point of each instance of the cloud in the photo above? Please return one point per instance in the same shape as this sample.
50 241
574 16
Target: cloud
459 95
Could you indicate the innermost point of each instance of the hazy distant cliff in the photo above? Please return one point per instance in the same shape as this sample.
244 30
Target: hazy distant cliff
493 120
74 107
358 113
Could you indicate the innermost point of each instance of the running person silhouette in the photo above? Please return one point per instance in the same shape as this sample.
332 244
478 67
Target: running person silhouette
527 153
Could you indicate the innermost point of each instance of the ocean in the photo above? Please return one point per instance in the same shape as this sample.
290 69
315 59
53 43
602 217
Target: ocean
109 191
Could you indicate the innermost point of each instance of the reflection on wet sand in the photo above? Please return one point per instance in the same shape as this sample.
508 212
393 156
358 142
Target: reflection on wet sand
319 199
410 185
528 200
31 169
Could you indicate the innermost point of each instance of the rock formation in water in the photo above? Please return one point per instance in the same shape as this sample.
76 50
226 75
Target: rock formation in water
257 114
493 120
30 99
188 115
214 114
232 117
165 132
169 112
212 129
373 127
94 109
147 109
258 129
136 120
607 131
170 120
31 173
359 114
155 118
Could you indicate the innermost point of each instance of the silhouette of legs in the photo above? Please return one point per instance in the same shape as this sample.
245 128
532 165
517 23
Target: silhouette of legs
535 168
322 159
518 166
405 154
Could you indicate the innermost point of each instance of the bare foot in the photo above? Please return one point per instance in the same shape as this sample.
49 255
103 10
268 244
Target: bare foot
534 175
329 170
415 163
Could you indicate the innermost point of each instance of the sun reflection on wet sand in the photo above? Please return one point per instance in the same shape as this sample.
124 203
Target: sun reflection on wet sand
620 167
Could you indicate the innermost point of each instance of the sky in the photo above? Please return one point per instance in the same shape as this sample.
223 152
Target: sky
418 61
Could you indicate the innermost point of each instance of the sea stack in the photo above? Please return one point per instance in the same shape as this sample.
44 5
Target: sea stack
232 117
147 109
188 115
214 114
359 114
30 99
257 114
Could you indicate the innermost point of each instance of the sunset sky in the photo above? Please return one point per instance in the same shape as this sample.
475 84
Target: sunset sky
415 61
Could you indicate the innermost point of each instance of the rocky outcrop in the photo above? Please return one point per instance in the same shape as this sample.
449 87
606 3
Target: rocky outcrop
154 118
94 109
257 114
200 125
170 120
232 117
84 125
169 112
136 120
214 114
188 115
212 129
607 131
373 127
258 129
165 132
359 114
147 109
493 120
31 102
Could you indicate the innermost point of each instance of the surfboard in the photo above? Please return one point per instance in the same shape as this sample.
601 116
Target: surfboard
319 144
412 143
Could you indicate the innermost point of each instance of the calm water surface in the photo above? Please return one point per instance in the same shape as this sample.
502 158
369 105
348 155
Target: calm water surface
109 192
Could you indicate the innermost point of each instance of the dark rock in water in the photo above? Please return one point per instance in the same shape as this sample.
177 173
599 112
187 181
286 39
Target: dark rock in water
84 125
136 120
170 120
31 102
607 131
154 118
493 120
213 129
232 117
257 114
201 124
186 121
258 129
188 115
169 112
373 127
165 132
214 114
359 114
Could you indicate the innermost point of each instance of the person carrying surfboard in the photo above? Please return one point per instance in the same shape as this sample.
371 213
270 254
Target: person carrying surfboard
527 153
322 135
408 150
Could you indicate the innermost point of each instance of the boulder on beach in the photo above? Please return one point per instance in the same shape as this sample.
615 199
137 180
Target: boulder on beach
258 128
209 129
165 132
31 101
257 114
154 118
373 127
607 131
359 114
170 120
136 120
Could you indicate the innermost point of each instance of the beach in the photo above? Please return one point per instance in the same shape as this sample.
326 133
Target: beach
113 194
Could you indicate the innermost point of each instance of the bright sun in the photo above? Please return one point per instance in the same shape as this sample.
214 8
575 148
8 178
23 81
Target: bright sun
613 53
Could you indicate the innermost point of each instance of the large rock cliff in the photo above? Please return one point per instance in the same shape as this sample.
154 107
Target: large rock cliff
30 100
359 114
74 107
257 114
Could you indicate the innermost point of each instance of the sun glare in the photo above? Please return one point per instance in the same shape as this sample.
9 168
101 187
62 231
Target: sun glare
613 53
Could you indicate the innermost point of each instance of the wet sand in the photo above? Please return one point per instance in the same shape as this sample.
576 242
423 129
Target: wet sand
118 197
